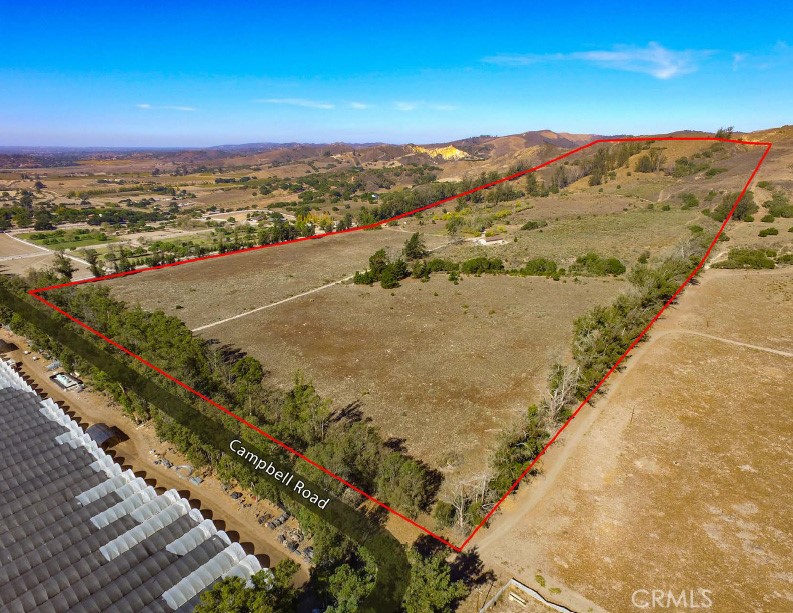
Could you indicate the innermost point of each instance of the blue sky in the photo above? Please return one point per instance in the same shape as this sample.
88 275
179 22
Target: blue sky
201 73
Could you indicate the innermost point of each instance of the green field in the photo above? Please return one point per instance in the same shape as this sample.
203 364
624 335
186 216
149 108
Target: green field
68 239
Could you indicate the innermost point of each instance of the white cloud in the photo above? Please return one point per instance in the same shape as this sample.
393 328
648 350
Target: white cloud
654 59
359 105
417 105
304 102
167 107
779 55
405 106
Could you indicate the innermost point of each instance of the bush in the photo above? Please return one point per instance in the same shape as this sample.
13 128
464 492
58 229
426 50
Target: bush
690 201
743 212
747 258
767 219
779 205
768 232
477 266
393 273
594 265
533 225
443 514
538 267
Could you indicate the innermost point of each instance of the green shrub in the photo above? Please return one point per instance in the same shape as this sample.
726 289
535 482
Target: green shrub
747 258
767 219
768 232
593 264
443 514
743 212
533 225
712 172
785 259
690 201
477 266
779 205
538 267
382 269
423 269
688 166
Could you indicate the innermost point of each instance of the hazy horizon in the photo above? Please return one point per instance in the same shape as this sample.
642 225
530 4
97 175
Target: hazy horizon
213 145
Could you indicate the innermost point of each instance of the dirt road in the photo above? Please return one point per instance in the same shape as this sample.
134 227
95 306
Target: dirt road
569 483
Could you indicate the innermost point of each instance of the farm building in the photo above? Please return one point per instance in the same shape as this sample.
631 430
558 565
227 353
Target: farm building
80 533
487 241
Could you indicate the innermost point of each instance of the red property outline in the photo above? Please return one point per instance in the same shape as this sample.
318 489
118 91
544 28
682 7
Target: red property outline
36 293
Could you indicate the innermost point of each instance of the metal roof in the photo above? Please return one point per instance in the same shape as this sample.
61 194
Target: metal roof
100 433
77 533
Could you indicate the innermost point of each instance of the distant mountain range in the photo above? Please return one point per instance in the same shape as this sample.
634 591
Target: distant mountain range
561 139
473 149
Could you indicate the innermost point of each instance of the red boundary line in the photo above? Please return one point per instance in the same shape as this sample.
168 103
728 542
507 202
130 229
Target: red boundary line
36 294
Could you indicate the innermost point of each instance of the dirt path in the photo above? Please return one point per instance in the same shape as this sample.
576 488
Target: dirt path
518 510
285 300
271 305
786 354
515 509
50 251
553 462
143 448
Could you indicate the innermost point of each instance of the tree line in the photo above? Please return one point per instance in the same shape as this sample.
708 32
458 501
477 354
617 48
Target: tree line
413 262
344 571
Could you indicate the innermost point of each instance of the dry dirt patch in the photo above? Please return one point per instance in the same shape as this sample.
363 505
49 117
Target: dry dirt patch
683 481
760 307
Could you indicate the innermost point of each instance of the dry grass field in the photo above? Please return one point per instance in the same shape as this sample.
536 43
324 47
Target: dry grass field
622 234
442 366
424 358
682 481
204 292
